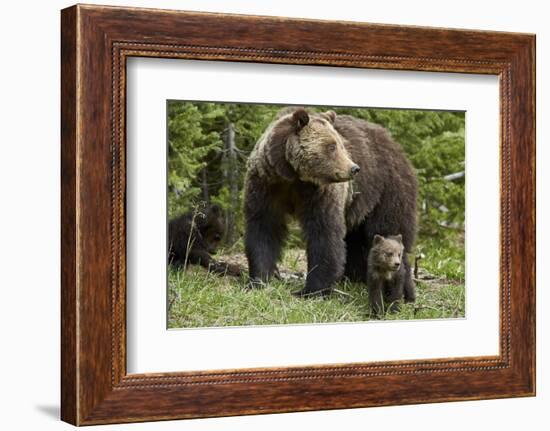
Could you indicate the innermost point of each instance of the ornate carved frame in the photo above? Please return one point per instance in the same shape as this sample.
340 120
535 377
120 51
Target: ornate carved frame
95 43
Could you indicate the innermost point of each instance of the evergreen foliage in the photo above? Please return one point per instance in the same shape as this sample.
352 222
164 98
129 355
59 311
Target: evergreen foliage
205 163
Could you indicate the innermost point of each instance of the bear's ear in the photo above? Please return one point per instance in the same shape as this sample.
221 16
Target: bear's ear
300 119
330 116
215 210
378 239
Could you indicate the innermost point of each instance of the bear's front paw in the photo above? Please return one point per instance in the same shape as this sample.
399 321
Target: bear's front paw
394 307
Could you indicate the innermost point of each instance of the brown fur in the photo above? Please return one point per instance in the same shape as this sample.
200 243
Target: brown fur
386 273
304 166
194 236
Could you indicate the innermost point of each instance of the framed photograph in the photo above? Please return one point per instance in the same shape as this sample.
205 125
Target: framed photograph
263 214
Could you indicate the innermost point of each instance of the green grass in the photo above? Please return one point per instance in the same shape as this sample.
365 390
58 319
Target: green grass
444 257
197 298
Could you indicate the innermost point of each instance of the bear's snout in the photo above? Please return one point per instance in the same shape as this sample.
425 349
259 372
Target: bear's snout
355 169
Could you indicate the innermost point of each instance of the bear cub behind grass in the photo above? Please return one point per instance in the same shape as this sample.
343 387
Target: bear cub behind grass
387 278
194 236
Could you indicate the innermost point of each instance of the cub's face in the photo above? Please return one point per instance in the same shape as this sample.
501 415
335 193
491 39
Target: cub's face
213 230
316 150
387 252
213 237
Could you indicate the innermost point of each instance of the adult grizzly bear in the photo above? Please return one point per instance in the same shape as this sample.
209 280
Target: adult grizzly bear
344 179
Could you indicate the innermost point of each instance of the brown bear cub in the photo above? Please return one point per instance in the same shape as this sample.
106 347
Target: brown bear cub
344 179
387 278
194 236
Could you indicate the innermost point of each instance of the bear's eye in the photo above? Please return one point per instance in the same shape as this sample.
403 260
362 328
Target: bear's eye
331 147
389 254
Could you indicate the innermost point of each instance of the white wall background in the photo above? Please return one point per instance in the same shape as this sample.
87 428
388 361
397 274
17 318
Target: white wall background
29 225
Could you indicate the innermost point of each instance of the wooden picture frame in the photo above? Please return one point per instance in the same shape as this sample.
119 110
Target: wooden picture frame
95 43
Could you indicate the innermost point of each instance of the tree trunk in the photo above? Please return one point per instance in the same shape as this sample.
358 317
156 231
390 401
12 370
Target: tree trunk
205 191
232 183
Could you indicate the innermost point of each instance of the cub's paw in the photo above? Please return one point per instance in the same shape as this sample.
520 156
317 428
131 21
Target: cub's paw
394 307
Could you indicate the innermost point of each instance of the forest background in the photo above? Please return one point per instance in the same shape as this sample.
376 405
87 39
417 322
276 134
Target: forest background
208 146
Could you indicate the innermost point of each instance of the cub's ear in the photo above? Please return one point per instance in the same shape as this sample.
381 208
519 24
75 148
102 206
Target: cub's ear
398 238
378 239
330 116
300 118
215 210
